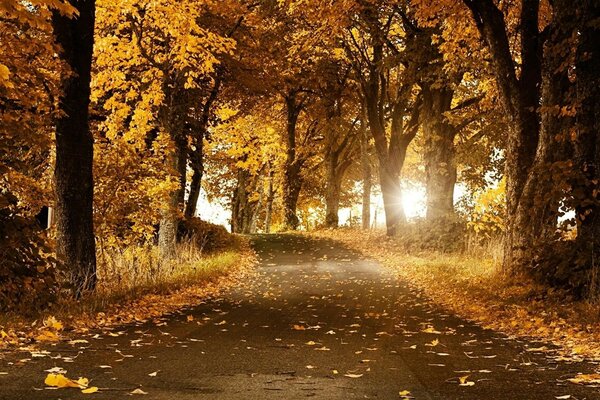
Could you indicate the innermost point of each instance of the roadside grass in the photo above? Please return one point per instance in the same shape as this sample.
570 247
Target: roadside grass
135 285
472 285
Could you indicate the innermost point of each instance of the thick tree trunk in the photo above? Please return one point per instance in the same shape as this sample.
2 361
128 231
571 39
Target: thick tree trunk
292 181
291 194
588 140
332 193
257 208
440 165
392 199
367 179
391 160
73 175
520 98
536 219
171 118
171 211
243 212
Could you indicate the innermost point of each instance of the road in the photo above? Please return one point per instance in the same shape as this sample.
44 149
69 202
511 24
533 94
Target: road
319 321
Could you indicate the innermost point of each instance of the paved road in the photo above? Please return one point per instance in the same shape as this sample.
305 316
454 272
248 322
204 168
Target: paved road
319 322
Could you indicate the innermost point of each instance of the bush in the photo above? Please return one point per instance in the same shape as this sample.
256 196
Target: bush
27 272
208 237
446 235
566 265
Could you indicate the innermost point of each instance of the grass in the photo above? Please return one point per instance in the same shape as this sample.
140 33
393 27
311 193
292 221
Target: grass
134 284
472 284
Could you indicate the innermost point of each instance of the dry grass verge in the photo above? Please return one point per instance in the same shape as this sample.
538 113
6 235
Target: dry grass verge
473 287
134 286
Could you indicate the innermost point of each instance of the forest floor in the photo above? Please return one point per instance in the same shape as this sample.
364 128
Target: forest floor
318 320
473 287
136 299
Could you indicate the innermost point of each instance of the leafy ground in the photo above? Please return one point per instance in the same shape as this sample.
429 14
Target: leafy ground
474 288
317 320
135 298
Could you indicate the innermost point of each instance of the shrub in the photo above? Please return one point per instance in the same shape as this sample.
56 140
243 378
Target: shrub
207 237
27 272
445 235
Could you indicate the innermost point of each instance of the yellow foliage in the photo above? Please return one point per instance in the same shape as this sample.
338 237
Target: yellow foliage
487 217
148 55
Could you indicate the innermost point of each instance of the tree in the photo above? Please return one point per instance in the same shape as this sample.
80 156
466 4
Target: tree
154 71
30 79
388 78
366 170
340 133
73 176
534 49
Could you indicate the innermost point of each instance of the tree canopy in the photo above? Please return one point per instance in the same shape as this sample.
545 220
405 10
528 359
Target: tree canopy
286 112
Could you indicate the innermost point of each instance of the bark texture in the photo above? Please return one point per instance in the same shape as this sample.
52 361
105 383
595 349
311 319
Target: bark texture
440 164
292 179
269 201
171 117
367 177
520 97
200 129
588 141
73 175
391 106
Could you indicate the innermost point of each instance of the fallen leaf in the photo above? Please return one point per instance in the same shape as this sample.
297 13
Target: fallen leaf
138 391
61 381
299 328
585 379
47 336
53 323
463 381
431 329
90 390
353 375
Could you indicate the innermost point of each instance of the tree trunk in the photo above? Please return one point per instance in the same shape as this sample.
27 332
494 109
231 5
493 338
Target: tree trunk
520 98
291 194
240 203
197 155
440 165
292 181
367 178
332 192
257 208
588 140
537 217
270 199
171 211
73 175
392 199
171 118
197 164
389 170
